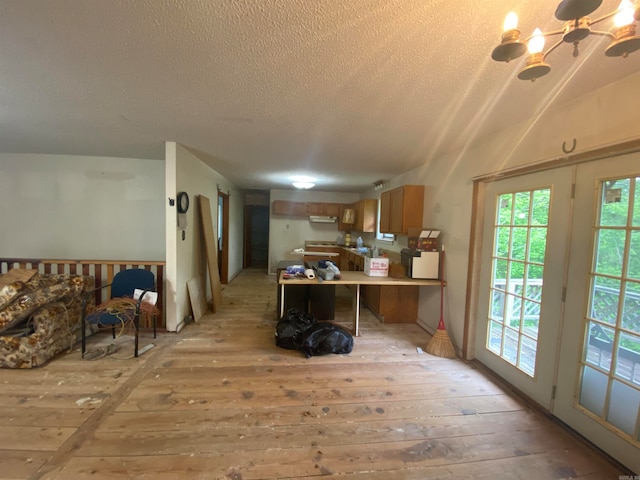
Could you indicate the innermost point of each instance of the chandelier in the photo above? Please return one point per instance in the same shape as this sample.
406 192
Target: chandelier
576 28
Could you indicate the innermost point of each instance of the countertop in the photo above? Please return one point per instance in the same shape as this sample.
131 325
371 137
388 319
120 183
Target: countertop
358 278
311 252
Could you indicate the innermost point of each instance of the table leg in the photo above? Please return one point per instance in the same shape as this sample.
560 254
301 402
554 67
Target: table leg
356 310
282 300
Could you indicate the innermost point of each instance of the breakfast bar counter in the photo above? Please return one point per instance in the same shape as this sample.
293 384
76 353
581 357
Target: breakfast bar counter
349 278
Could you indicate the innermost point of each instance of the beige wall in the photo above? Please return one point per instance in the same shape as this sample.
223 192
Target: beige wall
186 258
604 117
68 207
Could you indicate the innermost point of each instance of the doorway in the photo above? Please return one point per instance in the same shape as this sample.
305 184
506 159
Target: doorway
223 237
558 311
256 235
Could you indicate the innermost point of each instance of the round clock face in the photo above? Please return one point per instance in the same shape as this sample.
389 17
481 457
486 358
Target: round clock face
183 202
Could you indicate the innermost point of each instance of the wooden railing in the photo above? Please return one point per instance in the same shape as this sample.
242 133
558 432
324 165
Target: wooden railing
102 270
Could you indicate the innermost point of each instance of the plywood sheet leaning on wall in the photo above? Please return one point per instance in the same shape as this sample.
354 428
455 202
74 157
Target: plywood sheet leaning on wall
211 248
197 297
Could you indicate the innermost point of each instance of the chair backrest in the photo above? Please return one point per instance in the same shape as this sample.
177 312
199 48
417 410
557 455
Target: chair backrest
126 281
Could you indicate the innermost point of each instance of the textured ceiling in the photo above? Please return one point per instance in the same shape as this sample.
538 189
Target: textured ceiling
347 91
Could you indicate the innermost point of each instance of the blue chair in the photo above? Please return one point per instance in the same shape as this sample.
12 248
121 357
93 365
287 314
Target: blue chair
123 285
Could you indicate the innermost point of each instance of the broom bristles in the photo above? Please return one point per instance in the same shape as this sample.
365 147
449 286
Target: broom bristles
440 345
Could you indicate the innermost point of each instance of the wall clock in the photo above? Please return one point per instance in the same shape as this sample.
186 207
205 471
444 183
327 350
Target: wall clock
183 202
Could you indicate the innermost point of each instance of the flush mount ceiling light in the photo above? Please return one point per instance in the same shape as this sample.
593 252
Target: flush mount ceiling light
577 27
303 182
379 184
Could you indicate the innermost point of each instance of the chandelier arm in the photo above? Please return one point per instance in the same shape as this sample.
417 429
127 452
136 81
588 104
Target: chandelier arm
605 17
602 34
553 47
547 34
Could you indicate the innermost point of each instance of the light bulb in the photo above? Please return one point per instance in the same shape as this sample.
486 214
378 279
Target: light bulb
625 15
536 43
303 185
510 22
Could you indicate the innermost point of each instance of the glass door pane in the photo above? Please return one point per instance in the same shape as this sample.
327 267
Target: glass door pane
524 250
520 242
598 381
610 365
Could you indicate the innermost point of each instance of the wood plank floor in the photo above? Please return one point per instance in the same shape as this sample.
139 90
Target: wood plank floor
220 401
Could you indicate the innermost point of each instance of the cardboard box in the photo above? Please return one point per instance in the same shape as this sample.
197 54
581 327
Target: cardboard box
376 267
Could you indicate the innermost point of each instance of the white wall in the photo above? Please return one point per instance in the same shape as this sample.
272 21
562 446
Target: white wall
78 207
287 233
604 117
186 258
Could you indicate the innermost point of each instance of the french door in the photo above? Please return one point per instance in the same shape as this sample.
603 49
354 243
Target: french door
598 392
559 296
521 279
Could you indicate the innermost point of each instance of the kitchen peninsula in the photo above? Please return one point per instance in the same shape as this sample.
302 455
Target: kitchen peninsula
392 300
355 279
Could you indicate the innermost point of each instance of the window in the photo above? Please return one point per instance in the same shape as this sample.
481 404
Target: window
383 237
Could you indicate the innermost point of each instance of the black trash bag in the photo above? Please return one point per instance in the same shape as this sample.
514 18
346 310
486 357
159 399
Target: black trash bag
290 328
326 337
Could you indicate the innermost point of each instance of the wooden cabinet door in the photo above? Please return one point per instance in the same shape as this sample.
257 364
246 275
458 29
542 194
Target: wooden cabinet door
332 209
399 304
366 213
314 208
413 207
345 227
284 207
402 209
318 208
385 212
344 263
396 220
370 295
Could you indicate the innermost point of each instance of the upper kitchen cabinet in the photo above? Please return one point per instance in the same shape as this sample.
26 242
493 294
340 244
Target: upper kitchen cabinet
366 212
284 207
401 209
323 209
345 222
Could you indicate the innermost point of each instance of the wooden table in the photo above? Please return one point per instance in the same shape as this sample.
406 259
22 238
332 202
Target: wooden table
350 278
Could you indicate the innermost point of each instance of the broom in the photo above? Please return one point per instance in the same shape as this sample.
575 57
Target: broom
440 344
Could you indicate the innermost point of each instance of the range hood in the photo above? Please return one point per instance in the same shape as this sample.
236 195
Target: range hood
322 219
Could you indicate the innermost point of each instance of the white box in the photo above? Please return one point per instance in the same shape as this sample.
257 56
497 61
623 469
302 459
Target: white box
427 265
376 267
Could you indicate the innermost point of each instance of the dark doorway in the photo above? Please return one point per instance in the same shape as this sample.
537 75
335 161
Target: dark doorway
256 235
223 236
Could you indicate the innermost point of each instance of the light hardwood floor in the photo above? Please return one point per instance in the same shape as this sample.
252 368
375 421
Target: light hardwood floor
220 401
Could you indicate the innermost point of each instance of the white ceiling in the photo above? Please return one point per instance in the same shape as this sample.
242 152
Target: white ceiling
350 91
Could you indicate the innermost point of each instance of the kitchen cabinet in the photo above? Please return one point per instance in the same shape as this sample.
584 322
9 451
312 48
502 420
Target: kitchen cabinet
323 209
356 262
401 209
342 226
392 304
305 209
366 213
344 260
285 207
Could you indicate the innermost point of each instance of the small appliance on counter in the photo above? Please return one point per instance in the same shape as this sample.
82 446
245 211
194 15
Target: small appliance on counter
420 264
422 258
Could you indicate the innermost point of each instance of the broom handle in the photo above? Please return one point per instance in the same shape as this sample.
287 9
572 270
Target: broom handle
442 285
